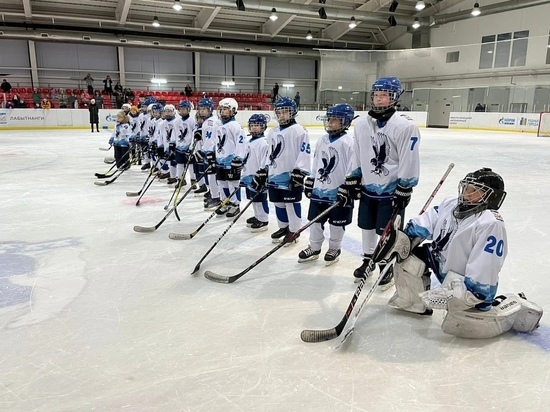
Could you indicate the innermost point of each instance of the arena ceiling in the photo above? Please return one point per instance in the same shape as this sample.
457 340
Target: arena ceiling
219 25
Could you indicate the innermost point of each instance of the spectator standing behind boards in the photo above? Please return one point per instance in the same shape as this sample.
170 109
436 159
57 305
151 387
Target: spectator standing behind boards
62 98
93 108
98 99
36 98
108 85
90 83
45 104
297 100
188 90
275 93
5 86
479 108
72 100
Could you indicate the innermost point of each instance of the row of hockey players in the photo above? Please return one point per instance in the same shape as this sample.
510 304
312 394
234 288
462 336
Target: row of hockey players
379 167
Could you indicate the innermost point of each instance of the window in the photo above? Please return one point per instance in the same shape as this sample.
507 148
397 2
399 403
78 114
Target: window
452 57
504 50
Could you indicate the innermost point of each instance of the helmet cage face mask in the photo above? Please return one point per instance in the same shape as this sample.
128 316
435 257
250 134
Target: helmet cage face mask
253 128
474 197
227 109
285 111
334 124
389 85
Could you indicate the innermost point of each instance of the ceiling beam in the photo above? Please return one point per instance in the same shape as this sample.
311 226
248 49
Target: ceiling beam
274 27
205 18
122 10
27 8
336 30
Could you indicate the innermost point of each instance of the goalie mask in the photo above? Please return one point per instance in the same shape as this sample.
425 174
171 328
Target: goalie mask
227 109
478 191
338 119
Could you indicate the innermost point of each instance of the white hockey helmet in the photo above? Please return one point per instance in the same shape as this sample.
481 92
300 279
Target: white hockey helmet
169 110
126 107
228 103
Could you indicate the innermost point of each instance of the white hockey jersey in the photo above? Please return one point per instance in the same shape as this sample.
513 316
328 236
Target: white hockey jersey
232 143
143 123
386 155
289 149
134 126
475 247
183 135
332 162
121 134
210 134
256 158
167 132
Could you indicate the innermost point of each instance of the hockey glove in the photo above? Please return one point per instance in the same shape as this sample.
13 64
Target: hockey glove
160 151
349 191
199 157
132 139
308 187
236 168
111 140
153 147
211 159
172 151
396 243
197 135
297 178
260 179
402 197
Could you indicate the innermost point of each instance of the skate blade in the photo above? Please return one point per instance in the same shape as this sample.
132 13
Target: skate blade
261 229
387 285
331 262
309 259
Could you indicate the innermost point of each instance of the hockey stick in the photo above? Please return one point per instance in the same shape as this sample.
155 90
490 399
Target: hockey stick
309 335
198 266
185 236
106 174
105 149
125 167
230 279
132 194
149 229
182 179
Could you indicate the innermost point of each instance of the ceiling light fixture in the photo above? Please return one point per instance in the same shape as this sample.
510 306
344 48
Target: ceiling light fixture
420 5
273 16
158 81
309 36
476 11
177 5
288 84
352 23
416 24
156 22
228 83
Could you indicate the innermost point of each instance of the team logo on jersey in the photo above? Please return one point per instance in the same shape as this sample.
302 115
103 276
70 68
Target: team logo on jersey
442 242
381 149
221 141
182 135
330 161
276 150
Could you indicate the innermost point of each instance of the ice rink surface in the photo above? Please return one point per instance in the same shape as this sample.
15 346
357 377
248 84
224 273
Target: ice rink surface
94 316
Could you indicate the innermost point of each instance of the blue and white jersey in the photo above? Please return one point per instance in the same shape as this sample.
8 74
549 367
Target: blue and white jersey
386 154
257 157
475 247
143 120
232 143
289 149
184 133
121 134
134 126
168 132
332 162
210 133
152 124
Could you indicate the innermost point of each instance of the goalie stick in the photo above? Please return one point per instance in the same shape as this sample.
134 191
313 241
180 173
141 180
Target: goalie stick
309 335
198 266
230 279
185 236
149 229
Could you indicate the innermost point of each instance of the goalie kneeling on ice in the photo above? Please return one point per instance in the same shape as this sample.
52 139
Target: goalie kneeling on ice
509 311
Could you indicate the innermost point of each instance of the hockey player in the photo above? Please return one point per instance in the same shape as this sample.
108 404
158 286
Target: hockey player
154 131
134 132
255 159
168 138
210 124
230 152
144 132
120 139
184 140
467 252
386 167
331 164
289 164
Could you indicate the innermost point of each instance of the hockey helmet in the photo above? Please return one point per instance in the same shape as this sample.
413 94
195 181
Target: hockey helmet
344 113
285 110
392 86
479 190
227 103
257 120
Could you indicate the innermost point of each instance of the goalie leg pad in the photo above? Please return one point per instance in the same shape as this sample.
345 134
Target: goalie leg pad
410 281
512 312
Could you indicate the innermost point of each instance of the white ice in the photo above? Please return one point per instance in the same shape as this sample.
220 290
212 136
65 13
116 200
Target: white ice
94 316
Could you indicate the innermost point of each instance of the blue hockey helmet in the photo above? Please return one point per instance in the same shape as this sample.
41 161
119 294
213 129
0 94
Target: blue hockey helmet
257 120
157 109
392 86
185 104
344 113
285 110
206 103
149 100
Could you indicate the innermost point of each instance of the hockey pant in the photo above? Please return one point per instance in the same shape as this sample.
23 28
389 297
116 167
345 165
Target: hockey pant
289 215
317 237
